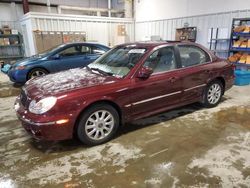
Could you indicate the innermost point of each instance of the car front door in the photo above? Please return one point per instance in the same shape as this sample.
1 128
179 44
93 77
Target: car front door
196 70
71 57
162 89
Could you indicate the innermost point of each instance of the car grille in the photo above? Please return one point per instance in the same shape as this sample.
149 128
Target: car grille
23 98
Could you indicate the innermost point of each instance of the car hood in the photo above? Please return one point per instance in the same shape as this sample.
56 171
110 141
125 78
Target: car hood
65 81
27 61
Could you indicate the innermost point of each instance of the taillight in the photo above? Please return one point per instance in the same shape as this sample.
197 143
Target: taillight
234 67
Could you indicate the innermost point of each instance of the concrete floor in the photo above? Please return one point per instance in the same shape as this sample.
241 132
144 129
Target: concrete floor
186 147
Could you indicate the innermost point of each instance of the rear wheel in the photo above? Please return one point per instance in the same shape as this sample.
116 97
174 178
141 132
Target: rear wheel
213 94
98 124
36 72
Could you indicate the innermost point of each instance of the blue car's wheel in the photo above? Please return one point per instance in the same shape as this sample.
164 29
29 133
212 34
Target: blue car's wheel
37 72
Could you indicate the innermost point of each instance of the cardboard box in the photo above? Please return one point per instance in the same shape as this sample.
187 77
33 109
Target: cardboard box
121 30
247 29
7 31
248 59
6 41
244 44
14 32
243 58
1 41
237 43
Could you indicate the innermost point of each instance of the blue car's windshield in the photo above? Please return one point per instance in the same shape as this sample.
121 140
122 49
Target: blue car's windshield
119 61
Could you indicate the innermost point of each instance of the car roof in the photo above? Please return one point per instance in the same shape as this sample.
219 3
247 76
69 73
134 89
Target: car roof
152 44
89 43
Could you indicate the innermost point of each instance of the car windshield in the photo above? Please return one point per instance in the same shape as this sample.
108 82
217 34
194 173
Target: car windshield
119 61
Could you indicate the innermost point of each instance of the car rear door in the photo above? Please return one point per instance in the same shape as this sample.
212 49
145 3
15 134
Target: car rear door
162 89
196 70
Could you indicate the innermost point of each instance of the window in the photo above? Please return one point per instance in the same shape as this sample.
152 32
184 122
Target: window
162 60
98 51
85 50
71 51
119 61
192 55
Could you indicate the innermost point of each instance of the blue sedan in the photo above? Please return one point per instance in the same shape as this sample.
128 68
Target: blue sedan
65 56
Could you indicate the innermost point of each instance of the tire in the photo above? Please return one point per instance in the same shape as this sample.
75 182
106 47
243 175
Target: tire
37 72
213 94
92 128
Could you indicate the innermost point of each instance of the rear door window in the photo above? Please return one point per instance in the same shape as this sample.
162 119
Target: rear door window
192 55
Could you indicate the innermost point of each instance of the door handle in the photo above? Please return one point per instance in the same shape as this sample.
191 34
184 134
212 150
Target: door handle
172 79
208 71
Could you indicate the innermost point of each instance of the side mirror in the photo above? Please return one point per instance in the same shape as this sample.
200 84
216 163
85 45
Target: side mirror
145 72
56 56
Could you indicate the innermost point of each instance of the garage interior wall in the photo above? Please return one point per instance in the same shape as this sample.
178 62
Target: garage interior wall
158 17
165 28
161 18
147 10
102 30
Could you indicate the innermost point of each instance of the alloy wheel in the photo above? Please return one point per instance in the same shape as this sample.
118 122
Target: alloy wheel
214 93
37 73
99 125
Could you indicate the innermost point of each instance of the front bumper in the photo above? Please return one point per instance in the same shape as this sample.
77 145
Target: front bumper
19 76
44 127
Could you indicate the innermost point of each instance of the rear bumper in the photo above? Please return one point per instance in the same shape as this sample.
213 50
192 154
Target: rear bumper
229 83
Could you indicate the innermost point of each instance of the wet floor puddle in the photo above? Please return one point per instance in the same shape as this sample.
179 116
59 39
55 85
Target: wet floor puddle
7 91
161 151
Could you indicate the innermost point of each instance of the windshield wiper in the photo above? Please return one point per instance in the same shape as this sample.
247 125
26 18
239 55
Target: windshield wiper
101 71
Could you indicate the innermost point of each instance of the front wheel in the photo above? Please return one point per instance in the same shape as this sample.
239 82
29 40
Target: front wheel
98 124
213 94
36 72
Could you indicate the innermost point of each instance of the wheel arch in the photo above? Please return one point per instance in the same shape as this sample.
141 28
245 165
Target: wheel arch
103 101
222 80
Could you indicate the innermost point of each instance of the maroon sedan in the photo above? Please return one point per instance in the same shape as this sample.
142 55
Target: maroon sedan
129 82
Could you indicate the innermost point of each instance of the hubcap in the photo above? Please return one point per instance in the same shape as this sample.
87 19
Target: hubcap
99 125
214 93
37 73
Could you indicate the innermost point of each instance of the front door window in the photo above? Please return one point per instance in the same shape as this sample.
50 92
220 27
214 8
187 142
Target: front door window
162 60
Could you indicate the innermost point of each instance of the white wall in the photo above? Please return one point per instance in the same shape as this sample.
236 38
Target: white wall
165 9
100 29
159 9
10 12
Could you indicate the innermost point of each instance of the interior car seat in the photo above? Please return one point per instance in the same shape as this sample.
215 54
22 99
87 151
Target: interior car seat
165 62
194 59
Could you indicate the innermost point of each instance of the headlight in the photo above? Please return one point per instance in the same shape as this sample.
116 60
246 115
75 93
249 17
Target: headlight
42 106
20 68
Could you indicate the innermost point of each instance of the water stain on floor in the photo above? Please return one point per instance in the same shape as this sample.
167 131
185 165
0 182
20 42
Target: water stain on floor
167 150
7 90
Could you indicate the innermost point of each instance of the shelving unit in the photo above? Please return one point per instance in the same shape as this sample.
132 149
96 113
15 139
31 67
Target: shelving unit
236 36
218 45
13 49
